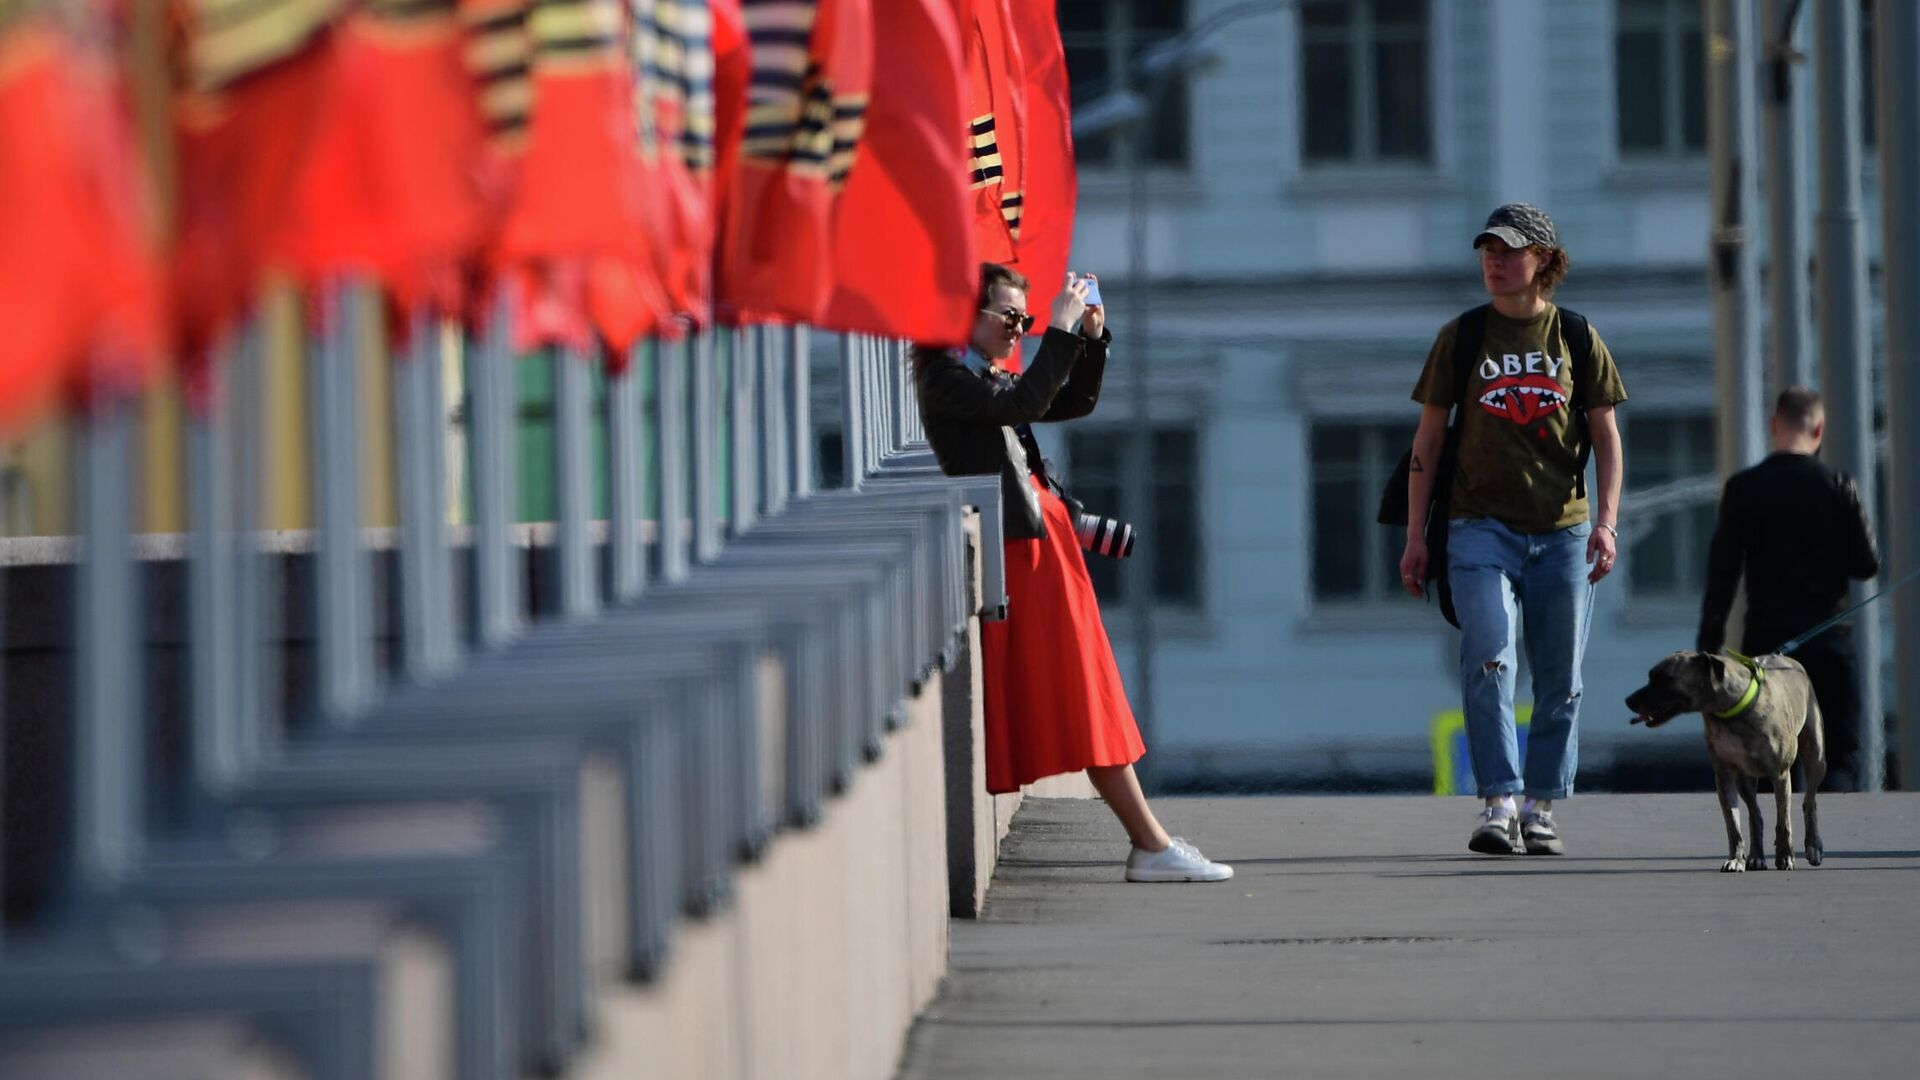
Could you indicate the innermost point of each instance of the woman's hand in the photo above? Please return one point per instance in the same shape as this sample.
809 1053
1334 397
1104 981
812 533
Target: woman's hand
1070 305
1094 323
1601 548
1413 567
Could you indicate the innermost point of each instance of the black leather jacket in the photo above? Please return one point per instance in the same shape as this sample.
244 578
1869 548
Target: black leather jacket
970 419
1797 530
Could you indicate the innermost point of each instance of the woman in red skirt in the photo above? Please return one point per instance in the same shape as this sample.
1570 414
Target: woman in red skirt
1055 703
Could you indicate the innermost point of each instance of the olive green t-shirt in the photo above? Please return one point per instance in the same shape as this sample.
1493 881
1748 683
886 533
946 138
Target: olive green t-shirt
1519 449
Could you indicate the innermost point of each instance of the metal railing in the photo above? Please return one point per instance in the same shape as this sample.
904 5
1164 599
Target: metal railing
422 718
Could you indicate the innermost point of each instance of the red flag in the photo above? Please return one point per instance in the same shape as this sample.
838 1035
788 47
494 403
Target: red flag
812 67
395 183
80 303
732 69
577 236
1043 233
243 140
674 61
904 258
39 241
997 131
499 53
498 47
732 72
123 272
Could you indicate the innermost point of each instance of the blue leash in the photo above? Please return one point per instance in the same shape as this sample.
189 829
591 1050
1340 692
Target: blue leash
1830 623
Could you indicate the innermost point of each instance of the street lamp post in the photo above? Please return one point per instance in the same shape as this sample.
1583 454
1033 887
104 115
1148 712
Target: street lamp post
1846 338
1139 454
1121 112
1897 92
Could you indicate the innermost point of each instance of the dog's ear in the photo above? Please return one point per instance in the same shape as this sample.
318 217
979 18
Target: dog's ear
1712 669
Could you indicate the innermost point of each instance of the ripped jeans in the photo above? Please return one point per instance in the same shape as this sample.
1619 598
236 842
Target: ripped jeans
1496 572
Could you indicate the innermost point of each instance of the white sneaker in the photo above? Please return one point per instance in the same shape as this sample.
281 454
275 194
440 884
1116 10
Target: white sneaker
1180 861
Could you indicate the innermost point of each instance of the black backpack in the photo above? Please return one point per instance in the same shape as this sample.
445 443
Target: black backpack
1467 337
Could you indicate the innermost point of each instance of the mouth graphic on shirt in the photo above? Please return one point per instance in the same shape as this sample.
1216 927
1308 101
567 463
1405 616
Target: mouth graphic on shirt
1523 398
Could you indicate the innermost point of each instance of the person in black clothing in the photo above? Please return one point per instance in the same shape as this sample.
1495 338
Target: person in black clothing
1798 531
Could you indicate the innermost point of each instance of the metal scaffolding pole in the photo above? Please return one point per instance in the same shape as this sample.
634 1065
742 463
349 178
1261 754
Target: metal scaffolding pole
775 468
1786 197
110 736
1846 343
853 443
212 592
704 429
800 411
627 563
498 607
573 482
342 583
743 429
1735 272
670 368
1897 97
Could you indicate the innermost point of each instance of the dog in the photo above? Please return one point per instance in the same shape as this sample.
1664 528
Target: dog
1760 716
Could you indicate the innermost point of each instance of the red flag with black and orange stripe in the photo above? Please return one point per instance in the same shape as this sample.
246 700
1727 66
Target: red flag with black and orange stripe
996 131
256 80
1043 229
674 61
807 100
578 243
904 262
732 75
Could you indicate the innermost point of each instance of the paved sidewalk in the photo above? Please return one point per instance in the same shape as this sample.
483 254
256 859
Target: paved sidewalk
1361 939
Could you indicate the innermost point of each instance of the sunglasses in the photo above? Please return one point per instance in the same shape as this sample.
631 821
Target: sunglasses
1014 319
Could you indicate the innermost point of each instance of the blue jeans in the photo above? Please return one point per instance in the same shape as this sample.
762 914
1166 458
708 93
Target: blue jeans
1494 573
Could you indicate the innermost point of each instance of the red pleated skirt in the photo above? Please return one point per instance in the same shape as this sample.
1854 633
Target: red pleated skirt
1055 703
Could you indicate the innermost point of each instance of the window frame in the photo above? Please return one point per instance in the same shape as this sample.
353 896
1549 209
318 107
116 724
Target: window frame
1384 439
1190 614
1675 19
1693 536
1362 36
1119 39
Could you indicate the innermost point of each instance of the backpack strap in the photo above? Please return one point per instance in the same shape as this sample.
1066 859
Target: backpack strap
1468 332
1579 337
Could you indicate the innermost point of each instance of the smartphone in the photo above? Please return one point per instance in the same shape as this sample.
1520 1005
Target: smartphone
1093 289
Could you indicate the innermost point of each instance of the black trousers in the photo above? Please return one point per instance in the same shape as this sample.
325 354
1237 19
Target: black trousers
1833 668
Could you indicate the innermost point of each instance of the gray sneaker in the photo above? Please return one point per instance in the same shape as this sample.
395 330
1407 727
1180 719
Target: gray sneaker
1538 833
1498 833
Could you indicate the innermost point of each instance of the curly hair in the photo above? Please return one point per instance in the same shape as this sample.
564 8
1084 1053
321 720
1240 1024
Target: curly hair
1553 270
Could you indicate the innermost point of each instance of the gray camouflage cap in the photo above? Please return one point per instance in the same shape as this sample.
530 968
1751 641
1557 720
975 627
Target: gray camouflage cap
1519 225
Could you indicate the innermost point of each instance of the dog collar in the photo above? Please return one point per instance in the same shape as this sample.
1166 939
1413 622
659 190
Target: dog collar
1753 687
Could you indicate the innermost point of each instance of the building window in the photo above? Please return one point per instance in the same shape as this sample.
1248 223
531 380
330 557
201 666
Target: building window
1170 543
1659 90
1103 38
1364 91
1355 558
1669 558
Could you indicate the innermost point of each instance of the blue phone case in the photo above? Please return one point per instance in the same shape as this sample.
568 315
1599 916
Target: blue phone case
1093 291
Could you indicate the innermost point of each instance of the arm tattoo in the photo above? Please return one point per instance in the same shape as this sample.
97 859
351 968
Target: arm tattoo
1416 466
